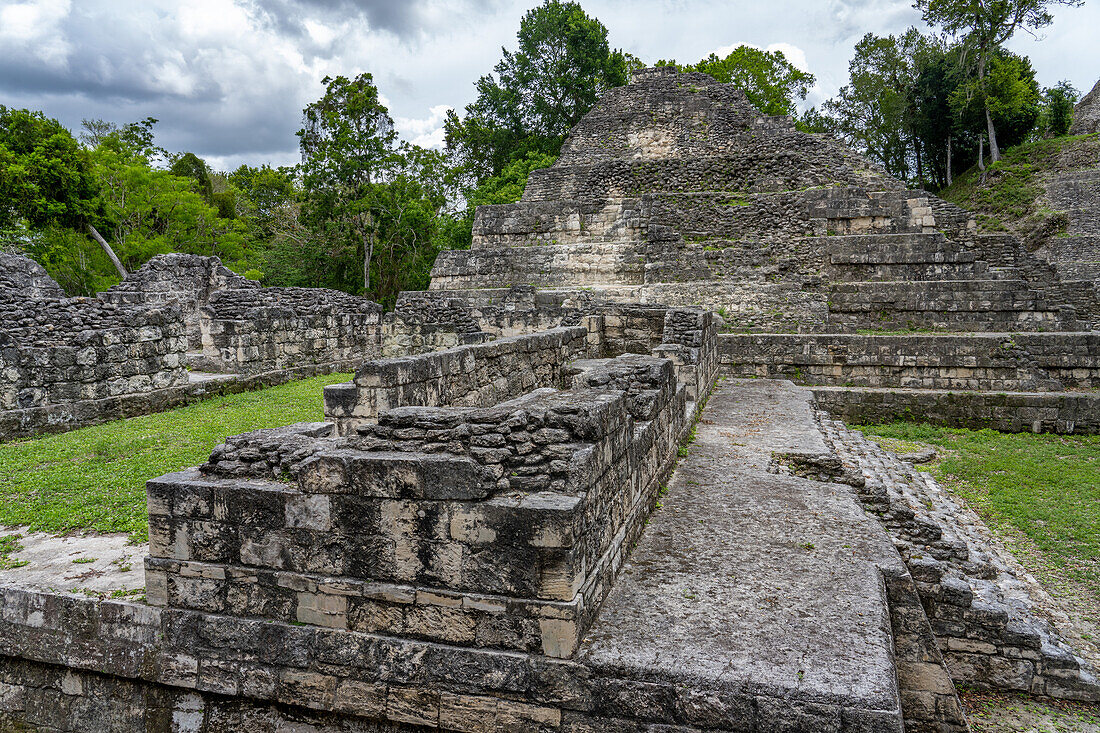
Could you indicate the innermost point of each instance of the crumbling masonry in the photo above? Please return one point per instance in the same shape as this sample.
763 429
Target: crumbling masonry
545 510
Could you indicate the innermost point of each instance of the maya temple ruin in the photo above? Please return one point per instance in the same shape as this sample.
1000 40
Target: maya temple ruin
597 477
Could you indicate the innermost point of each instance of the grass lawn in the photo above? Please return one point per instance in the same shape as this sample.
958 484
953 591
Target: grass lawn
1041 493
94 478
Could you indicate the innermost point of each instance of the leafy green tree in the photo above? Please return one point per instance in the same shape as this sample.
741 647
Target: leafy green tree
772 83
934 127
45 176
872 112
1057 112
539 92
1011 100
508 187
347 145
189 165
982 27
269 198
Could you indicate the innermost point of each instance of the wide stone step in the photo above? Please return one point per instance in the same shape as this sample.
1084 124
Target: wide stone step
578 265
770 583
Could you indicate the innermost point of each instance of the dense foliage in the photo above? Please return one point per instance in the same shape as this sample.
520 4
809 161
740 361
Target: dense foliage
914 105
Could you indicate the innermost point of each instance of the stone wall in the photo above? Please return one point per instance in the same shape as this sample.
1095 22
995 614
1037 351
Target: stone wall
66 362
1023 362
485 370
187 280
21 277
434 571
980 604
467 376
269 329
1010 412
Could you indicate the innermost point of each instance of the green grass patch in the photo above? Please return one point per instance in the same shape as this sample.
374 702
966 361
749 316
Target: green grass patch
1044 487
94 478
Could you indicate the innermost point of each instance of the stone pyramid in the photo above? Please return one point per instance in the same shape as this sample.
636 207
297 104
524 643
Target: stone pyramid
674 190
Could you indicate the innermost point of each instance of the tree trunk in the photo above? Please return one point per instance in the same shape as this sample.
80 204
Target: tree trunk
994 151
920 164
949 176
110 252
981 158
368 250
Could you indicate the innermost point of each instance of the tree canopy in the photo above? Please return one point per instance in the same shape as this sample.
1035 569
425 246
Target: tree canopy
562 65
982 27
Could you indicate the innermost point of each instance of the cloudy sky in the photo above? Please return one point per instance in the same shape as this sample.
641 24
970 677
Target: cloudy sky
228 78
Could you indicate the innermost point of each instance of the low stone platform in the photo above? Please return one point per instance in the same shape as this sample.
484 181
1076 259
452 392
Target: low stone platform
26 423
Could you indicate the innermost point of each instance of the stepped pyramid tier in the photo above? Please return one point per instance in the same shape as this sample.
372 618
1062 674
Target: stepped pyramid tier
675 190
1086 115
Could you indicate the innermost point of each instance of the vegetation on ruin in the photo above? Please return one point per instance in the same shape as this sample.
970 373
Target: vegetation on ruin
94 478
1040 493
1006 197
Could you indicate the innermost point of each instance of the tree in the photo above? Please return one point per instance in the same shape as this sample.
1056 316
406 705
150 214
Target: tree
873 111
983 26
148 211
347 140
1058 104
771 82
539 92
45 177
1011 100
508 187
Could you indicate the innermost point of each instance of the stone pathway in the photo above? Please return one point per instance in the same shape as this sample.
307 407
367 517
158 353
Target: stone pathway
764 583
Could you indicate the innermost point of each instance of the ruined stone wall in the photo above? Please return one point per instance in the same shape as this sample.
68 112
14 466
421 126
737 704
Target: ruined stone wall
1086 115
1010 412
753 163
21 277
66 362
477 375
981 608
268 329
187 280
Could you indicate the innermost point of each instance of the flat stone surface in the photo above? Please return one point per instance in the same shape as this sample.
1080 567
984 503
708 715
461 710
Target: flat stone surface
748 580
83 563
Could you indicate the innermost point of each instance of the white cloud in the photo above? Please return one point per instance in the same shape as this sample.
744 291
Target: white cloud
427 132
31 27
